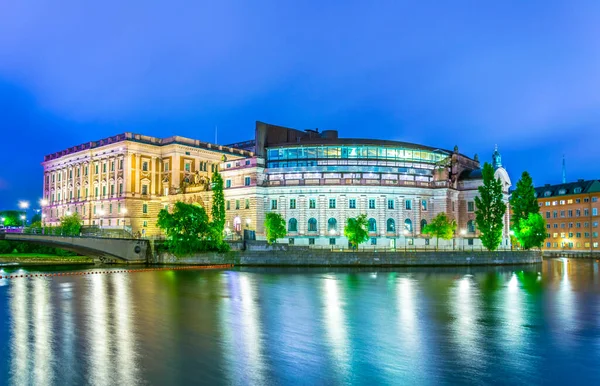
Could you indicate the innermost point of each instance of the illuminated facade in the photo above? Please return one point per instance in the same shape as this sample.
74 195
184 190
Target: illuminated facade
314 179
571 214
122 182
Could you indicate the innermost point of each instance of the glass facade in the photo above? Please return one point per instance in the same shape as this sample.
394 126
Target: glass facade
315 155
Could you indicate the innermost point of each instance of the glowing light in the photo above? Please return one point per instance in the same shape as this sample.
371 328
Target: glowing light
335 323
43 202
23 204
123 210
463 232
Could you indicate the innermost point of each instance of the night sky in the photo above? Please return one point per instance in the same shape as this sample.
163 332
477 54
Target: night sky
523 75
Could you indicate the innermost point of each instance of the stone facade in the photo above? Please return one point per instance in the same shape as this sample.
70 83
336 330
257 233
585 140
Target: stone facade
122 182
316 181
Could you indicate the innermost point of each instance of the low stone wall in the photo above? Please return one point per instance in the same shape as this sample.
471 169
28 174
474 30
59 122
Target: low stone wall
572 254
308 257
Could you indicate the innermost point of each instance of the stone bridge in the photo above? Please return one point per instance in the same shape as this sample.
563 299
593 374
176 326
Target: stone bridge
109 250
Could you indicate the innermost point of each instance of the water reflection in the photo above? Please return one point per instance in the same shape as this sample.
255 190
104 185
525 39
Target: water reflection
242 331
335 326
512 325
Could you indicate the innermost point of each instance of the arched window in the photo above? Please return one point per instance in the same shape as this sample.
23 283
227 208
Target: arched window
423 224
312 225
471 226
408 225
332 224
391 225
293 225
372 225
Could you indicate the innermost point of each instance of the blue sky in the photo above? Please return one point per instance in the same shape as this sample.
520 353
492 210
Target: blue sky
523 75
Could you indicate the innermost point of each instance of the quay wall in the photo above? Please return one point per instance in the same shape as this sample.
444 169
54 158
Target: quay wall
315 257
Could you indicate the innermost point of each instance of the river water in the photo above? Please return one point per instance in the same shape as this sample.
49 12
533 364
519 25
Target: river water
529 325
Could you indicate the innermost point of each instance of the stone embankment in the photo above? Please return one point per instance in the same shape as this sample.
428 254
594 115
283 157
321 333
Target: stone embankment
281 255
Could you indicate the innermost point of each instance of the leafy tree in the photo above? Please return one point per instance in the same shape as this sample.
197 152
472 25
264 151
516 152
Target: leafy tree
71 225
36 218
490 209
523 202
12 218
274 227
532 231
218 207
441 226
187 229
356 230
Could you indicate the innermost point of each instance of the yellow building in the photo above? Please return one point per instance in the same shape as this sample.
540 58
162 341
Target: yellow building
120 183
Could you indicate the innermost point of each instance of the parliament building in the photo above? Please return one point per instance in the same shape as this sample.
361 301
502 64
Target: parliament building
316 180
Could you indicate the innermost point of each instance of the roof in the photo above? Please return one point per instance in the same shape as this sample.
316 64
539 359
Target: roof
148 140
360 141
578 187
471 175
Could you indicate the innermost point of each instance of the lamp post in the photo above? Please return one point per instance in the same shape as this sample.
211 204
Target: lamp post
463 232
24 205
405 238
511 233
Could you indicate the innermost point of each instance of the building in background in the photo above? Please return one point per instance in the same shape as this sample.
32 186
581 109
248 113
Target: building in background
316 180
571 213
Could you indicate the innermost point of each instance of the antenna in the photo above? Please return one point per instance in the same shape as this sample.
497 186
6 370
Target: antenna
564 171
216 134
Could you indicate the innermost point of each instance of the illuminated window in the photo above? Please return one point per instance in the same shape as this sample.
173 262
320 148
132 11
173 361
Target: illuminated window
372 225
312 226
293 225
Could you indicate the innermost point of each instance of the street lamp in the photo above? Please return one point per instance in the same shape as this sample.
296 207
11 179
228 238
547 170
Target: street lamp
463 232
23 218
248 220
23 204
405 238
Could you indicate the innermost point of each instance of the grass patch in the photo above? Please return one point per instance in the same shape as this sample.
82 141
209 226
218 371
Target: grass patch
25 257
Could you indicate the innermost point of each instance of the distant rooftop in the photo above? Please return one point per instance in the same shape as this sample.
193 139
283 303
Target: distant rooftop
149 140
578 187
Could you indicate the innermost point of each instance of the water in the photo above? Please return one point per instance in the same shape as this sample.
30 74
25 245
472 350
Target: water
519 325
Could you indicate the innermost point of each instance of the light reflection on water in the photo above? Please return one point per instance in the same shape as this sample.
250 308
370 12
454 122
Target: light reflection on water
532 324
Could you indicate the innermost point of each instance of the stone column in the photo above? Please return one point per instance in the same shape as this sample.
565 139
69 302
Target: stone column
138 172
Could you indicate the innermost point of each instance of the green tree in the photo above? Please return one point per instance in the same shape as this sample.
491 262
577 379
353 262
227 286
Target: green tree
441 226
12 218
274 227
532 231
356 230
523 202
36 218
490 209
218 207
70 225
187 229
